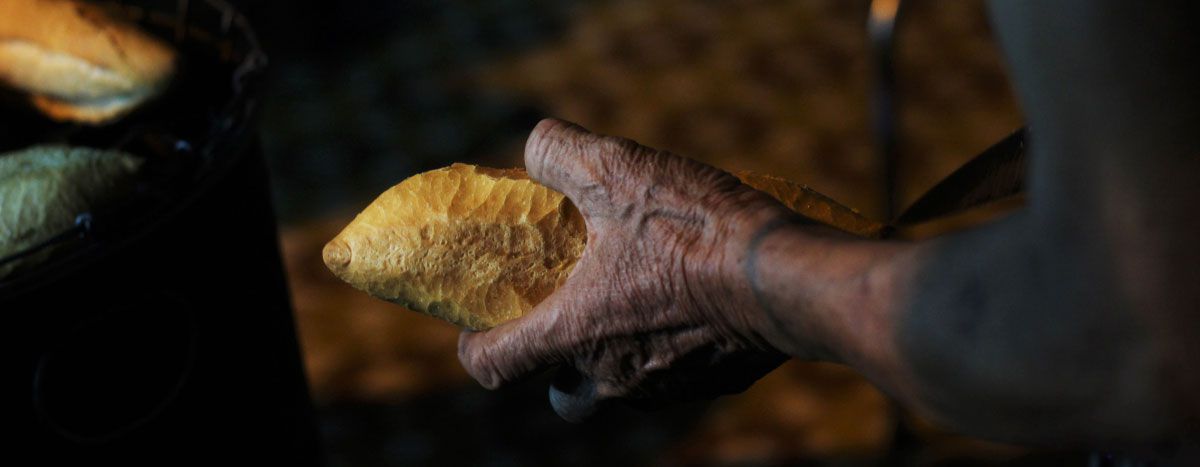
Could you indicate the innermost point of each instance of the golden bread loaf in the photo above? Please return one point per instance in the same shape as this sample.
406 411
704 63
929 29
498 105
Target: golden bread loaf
43 188
77 62
470 245
477 246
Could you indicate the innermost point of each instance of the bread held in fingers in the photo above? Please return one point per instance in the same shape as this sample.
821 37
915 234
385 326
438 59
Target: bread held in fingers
477 246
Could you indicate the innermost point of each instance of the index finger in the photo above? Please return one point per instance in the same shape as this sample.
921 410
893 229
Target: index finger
580 164
555 155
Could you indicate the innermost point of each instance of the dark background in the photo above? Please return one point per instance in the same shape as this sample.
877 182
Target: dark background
364 93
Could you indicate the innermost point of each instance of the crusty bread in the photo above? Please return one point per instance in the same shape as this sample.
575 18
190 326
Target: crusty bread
470 245
77 62
43 188
478 247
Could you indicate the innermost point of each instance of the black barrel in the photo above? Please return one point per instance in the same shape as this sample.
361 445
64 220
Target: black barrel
165 336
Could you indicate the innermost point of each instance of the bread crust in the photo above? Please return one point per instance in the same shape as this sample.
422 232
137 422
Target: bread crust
470 245
43 188
77 61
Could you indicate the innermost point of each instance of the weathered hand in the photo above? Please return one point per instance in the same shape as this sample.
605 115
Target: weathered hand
658 308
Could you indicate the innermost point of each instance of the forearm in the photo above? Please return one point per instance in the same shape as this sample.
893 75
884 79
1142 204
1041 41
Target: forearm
983 331
830 297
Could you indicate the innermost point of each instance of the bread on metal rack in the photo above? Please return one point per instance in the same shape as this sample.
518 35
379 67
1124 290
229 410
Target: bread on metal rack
77 62
43 189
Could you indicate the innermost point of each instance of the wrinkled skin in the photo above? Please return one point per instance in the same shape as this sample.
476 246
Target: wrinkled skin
649 313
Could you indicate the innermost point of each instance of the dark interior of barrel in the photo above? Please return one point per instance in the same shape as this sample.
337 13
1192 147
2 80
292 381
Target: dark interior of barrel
141 344
185 135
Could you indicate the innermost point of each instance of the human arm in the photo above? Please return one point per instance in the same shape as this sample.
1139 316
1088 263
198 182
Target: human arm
1072 320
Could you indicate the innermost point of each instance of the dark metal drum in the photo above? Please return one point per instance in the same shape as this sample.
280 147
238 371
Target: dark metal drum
165 336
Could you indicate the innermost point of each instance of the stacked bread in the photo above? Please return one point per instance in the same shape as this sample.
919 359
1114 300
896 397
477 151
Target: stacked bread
76 62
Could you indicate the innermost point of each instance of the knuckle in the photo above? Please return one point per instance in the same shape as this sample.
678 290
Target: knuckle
615 148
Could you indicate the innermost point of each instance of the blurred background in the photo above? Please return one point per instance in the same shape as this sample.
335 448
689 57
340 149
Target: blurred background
365 93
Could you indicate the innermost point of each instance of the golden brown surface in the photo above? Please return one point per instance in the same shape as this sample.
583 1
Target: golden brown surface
466 244
356 347
77 62
478 247
43 188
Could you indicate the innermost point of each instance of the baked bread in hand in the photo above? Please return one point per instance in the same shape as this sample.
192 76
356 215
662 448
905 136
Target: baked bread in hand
43 189
470 245
77 62
477 246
